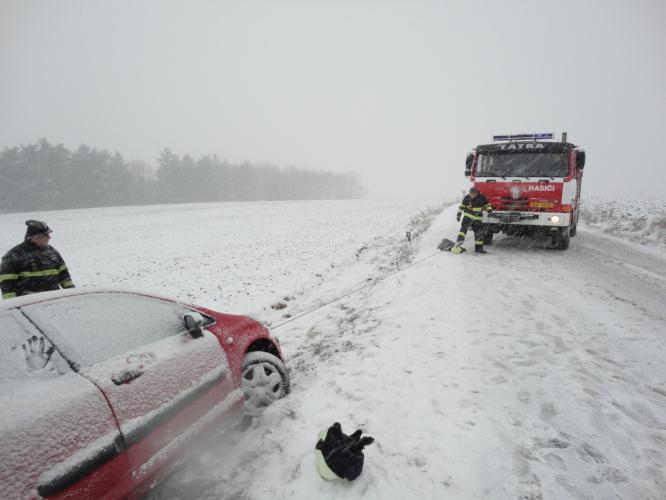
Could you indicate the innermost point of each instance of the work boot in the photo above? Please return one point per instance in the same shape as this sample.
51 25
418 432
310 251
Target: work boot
480 250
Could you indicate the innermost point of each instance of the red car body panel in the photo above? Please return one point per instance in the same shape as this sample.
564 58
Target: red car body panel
243 331
62 440
153 456
141 438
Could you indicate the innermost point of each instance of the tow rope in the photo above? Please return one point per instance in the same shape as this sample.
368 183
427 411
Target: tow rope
347 294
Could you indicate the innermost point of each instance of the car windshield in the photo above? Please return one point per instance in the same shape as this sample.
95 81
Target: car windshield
522 165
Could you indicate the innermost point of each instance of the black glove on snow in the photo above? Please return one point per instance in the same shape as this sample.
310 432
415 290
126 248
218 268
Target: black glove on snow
338 455
458 216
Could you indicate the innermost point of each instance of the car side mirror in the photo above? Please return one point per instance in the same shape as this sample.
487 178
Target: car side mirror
468 164
193 324
580 159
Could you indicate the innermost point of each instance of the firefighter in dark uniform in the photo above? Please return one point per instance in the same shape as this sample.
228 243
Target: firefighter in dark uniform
34 265
471 210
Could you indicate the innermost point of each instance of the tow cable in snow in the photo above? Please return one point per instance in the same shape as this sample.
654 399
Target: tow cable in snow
371 282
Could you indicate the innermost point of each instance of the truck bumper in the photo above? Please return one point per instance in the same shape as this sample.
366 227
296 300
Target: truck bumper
544 219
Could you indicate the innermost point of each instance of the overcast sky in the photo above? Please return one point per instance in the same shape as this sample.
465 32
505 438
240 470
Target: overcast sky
396 91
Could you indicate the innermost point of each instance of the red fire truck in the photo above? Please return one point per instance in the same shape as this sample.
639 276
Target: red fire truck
533 184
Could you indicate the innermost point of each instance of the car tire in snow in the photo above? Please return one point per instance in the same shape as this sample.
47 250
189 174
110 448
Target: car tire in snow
264 380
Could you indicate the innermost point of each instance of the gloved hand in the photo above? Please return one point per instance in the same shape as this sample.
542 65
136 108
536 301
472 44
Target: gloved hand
458 216
338 455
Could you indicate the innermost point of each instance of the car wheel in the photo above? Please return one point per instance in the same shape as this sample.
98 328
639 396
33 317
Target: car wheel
264 379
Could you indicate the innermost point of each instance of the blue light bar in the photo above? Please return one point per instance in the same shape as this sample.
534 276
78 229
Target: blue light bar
523 137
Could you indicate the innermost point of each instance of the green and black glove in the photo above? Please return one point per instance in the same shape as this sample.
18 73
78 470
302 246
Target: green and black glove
338 455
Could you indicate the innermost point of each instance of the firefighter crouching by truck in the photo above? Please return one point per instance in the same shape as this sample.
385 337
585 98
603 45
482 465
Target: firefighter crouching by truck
471 209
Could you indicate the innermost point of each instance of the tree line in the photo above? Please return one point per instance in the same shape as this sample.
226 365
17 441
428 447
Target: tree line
45 176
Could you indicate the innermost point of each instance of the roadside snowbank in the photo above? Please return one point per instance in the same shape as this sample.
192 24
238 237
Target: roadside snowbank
641 221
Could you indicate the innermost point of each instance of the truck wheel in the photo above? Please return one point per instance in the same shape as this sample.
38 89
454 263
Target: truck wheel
264 379
562 239
572 230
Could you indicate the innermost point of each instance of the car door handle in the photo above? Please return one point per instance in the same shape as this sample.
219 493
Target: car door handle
125 376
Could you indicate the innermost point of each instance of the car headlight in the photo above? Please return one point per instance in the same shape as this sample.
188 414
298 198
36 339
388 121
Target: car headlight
555 219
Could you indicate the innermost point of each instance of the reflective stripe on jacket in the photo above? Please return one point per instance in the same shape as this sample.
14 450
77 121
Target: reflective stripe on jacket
472 207
29 268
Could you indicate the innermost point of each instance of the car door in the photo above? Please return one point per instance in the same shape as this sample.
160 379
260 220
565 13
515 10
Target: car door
57 430
162 383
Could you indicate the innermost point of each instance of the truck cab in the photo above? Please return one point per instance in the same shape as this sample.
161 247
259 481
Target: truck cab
533 184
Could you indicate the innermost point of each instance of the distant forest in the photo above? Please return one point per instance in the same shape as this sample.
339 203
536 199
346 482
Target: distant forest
46 176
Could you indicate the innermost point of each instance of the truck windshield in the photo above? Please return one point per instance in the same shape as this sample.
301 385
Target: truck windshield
522 165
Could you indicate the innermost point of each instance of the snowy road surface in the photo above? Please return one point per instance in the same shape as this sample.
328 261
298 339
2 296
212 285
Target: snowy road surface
526 373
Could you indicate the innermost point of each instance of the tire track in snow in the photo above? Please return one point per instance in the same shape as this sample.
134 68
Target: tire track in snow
591 339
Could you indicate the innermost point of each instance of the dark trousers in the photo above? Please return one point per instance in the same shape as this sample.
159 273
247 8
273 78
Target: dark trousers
478 228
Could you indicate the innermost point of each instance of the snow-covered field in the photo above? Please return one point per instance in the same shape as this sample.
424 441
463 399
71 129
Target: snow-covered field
526 373
639 220
234 257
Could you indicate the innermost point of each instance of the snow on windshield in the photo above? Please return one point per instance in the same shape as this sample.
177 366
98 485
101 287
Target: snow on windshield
95 327
522 165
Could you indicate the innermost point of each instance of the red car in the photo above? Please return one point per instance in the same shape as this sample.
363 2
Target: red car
101 391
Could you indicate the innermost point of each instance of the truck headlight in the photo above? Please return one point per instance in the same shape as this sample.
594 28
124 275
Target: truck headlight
555 219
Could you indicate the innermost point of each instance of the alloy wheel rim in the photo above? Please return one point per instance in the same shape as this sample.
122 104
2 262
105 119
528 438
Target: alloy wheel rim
261 384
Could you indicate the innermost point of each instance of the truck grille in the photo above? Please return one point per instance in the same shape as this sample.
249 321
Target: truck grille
523 204
508 203
508 217
511 217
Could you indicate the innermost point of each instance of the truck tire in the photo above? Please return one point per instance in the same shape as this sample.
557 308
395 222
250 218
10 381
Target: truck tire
574 224
562 239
